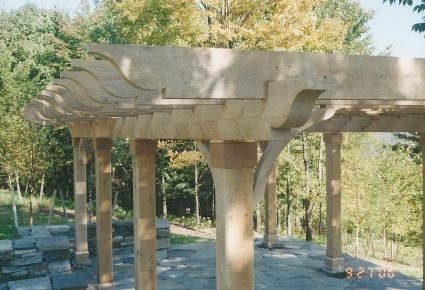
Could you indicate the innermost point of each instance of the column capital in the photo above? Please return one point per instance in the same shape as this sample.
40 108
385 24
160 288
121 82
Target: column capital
332 138
233 154
143 147
76 141
103 144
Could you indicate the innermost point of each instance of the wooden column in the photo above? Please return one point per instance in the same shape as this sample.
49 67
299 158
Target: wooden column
233 164
103 147
422 141
80 200
270 232
334 263
144 213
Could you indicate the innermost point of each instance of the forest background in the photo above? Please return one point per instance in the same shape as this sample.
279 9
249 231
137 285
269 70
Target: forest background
382 189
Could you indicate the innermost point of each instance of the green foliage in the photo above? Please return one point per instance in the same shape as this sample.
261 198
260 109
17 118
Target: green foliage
308 25
122 214
190 221
419 8
36 46
181 239
357 40
41 214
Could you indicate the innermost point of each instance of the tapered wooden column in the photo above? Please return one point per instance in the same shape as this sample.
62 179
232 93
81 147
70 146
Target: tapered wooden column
144 213
334 263
270 233
422 141
103 148
233 164
80 200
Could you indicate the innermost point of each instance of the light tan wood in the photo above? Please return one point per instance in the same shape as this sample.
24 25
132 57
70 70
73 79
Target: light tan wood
234 183
365 123
272 150
219 94
103 147
223 73
233 154
80 199
422 142
113 82
333 260
144 156
75 95
142 92
270 200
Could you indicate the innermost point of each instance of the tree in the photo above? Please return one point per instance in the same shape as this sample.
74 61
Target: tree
419 8
36 46
190 157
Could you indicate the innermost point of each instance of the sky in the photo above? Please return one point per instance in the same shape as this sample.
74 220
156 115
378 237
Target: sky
391 25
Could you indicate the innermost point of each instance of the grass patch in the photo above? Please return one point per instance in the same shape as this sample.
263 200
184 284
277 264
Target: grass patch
180 239
40 214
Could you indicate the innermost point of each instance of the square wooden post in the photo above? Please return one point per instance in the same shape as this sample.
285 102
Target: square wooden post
80 200
103 147
233 164
422 141
144 214
334 263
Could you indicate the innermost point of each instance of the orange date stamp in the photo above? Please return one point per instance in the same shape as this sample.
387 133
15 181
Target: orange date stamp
369 273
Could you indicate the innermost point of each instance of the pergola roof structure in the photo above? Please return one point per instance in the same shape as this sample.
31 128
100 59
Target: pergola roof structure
226 100
220 94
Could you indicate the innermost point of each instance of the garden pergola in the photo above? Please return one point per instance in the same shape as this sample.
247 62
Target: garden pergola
228 101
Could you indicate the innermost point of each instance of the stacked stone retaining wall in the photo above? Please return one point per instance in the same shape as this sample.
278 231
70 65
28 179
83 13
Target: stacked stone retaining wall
47 251
122 235
40 251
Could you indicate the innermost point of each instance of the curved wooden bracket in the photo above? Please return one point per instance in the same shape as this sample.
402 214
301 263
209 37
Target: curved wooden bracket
204 149
290 102
274 148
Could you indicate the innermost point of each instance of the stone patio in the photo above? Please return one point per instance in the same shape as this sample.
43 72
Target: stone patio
298 266
192 266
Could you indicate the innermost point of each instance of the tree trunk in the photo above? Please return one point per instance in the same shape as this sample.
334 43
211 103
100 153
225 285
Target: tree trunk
14 211
52 205
307 220
319 230
396 250
357 238
90 205
384 239
164 197
26 187
258 218
213 204
18 187
288 207
63 205
306 200
41 188
345 241
369 244
31 211
322 187
115 203
198 219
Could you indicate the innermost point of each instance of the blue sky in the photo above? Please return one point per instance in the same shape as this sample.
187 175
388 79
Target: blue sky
390 25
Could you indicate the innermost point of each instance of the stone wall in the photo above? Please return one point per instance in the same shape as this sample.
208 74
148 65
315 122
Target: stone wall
122 235
39 252
47 251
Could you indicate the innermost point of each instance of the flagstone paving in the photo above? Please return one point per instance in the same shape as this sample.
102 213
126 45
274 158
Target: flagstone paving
192 266
298 266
